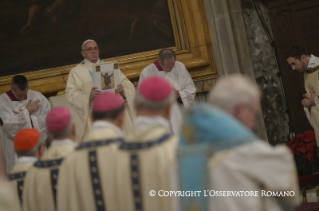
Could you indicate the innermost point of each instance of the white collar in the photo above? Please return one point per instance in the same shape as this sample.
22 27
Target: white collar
27 159
98 124
143 121
64 141
312 61
87 61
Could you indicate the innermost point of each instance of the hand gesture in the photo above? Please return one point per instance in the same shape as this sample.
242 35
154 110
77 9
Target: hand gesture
120 90
33 106
16 112
176 92
94 93
309 101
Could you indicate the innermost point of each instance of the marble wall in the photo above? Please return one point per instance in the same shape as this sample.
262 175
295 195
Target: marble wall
265 68
241 46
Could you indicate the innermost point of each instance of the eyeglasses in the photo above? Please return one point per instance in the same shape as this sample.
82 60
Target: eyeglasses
90 49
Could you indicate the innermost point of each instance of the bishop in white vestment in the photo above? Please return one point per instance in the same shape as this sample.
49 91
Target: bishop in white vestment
40 186
144 161
233 169
80 91
21 108
8 199
86 180
29 149
176 73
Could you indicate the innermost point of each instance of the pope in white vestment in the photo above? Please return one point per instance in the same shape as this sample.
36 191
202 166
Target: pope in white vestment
86 179
78 90
15 117
180 80
40 186
233 169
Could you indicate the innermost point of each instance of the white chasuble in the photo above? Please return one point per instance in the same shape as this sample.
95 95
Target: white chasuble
40 185
78 91
86 178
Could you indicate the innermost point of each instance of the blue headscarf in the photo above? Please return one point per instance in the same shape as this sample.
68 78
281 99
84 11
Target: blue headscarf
206 130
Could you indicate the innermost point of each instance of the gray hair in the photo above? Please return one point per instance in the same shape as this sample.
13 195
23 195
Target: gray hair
62 134
232 90
166 54
142 102
89 40
32 152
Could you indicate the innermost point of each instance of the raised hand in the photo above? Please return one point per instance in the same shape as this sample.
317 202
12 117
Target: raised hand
94 93
33 106
119 90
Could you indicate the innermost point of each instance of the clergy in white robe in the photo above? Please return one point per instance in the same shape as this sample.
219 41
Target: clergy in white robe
81 93
86 179
40 185
144 161
28 146
301 61
176 73
241 162
8 199
21 108
231 167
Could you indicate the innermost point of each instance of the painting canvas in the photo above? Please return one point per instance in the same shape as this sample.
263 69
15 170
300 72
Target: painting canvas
40 34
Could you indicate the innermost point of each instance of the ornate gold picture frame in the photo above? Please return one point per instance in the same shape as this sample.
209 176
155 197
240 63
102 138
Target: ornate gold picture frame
193 48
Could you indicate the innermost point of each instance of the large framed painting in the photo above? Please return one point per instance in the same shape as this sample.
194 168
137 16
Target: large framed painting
42 38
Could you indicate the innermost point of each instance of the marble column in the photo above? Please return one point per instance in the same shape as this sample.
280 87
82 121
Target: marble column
229 38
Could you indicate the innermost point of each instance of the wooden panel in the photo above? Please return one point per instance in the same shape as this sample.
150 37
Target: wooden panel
295 23
279 3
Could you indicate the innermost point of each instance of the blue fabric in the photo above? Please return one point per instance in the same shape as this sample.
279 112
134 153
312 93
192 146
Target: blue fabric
204 124
206 130
193 175
91 74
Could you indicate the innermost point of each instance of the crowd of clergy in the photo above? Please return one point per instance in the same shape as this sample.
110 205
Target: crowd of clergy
150 148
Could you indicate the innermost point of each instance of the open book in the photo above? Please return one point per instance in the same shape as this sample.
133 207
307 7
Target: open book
106 76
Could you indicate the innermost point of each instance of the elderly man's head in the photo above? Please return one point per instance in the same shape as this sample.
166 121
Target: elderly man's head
90 51
27 143
109 107
239 96
166 59
59 124
154 96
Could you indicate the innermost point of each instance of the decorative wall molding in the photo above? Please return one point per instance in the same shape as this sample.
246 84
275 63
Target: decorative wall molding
193 48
